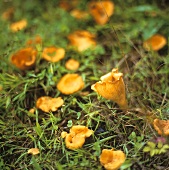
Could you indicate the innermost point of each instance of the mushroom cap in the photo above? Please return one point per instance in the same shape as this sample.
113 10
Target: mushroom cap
19 25
72 64
112 160
8 14
48 104
32 110
161 126
33 151
70 83
82 40
24 58
101 11
112 87
76 138
79 14
53 54
63 134
156 42
36 40
81 130
74 142
68 5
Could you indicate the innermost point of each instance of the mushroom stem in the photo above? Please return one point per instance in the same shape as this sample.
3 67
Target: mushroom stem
123 104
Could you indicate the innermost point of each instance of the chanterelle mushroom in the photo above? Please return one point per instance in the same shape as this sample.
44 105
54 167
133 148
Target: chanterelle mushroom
33 151
101 11
25 58
53 54
112 87
112 160
19 25
48 104
156 42
76 138
70 83
72 64
82 40
161 126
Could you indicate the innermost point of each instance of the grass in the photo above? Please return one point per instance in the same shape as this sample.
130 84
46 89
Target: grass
119 45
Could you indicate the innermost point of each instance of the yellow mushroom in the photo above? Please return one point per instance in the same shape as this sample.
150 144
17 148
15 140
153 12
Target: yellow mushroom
82 40
19 25
25 58
33 151
76 138
8 14
101 11
112 87
161 126
112 160
72 64
48 104
156 42
53 54
70 83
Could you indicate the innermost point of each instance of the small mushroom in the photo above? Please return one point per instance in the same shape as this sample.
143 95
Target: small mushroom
112 87
101 11
19 25
68 5
34 41
32 110
112 160
81 130
53 54
161 126
33 151
24 59
82 40
70 83
72 64
48 104
74 142
8 14
156 42
76 138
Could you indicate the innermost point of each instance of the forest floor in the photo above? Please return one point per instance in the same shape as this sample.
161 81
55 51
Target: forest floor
118 44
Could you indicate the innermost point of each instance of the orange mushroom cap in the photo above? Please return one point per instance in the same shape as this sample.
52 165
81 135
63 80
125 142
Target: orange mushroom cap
82 40
72 64
68 5
48 104
32 110
53 54
81 130
112 160
101 11
76 138
33 151
161 126
24 59
34 41
156 42
112 87
19 25
8 14
70 83
74 142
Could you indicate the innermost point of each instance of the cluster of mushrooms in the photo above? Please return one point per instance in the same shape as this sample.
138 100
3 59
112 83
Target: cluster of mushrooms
111 86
